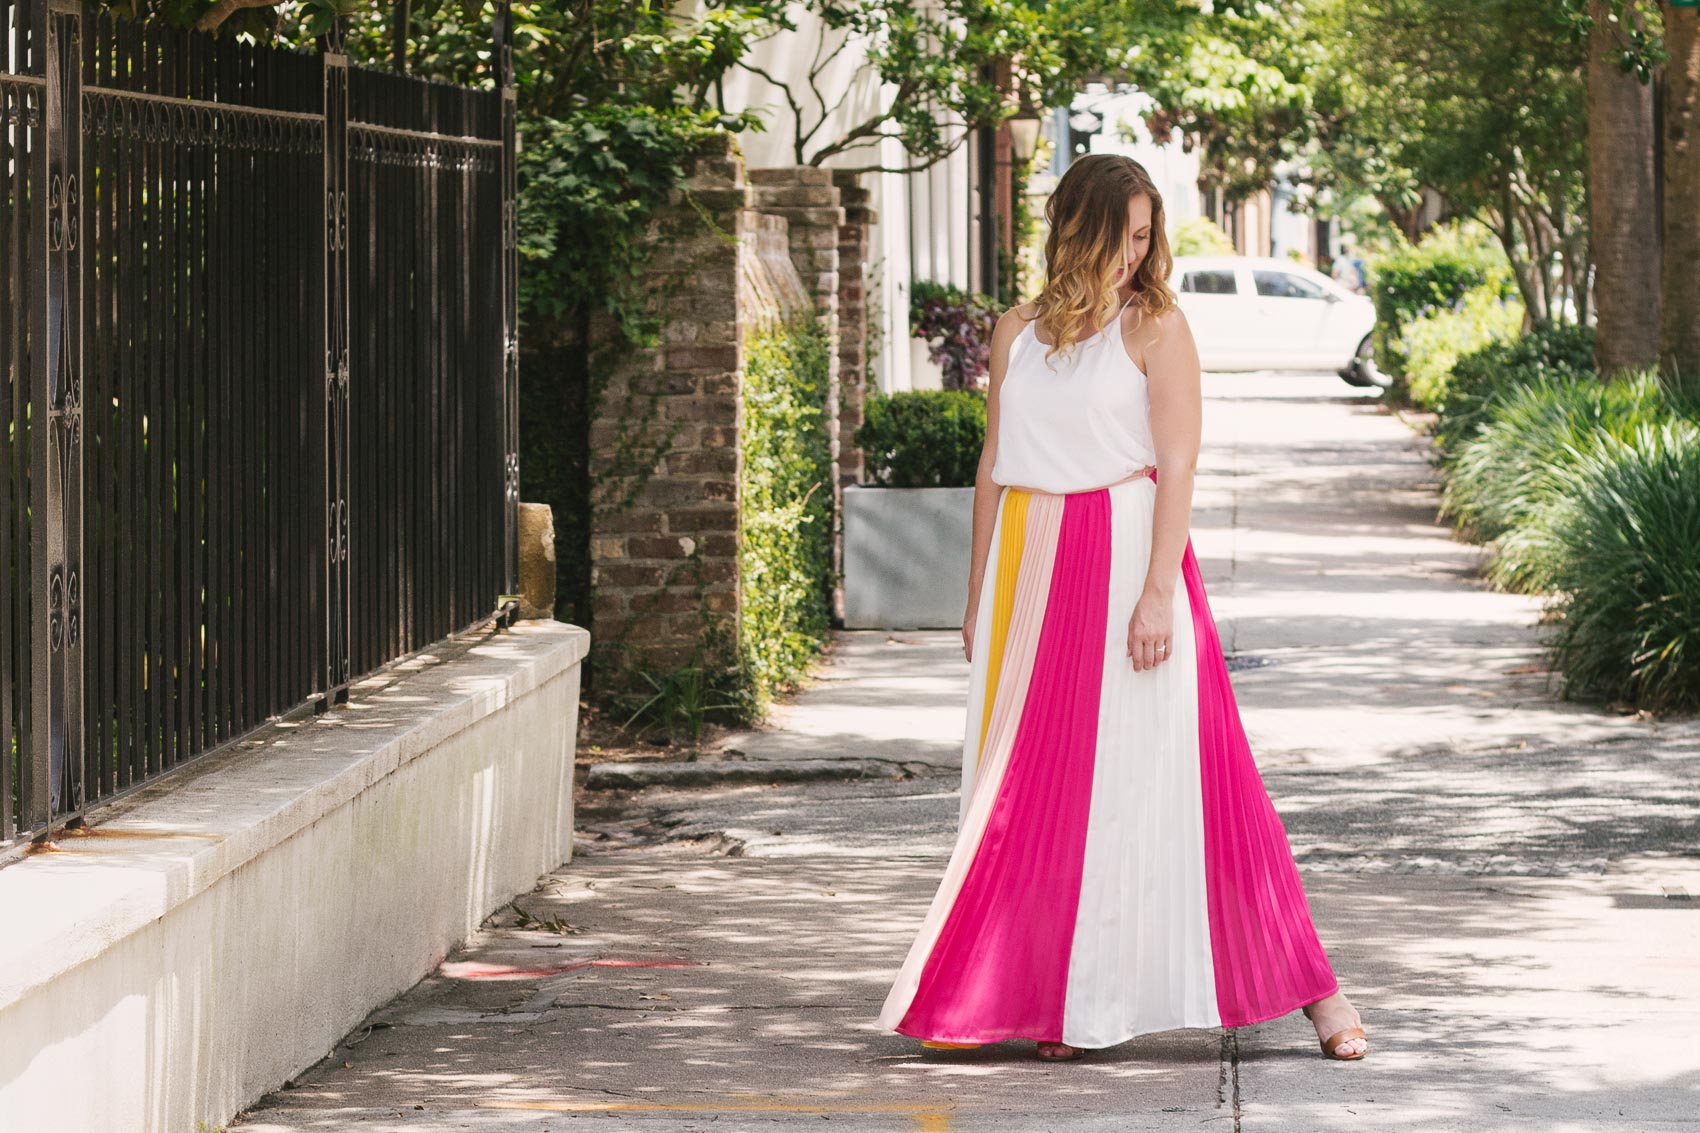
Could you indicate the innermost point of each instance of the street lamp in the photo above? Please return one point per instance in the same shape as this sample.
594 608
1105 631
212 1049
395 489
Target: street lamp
1024 134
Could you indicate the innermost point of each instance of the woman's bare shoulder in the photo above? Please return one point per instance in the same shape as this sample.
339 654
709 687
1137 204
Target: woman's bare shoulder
1152 337
1017 317
1009 325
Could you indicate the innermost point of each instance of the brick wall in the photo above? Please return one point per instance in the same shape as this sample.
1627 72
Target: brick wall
853 280
664 438
809 201
664 451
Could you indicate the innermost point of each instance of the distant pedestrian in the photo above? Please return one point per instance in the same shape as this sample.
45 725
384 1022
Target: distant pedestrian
1349 272
1118 868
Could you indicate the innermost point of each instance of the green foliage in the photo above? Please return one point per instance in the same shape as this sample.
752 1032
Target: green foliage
923 438
1504 482
1477 108
1626 572
784 553
292 25
957 327
1640 36
588 187
1435 339
1200 236
613 102
1483 104
1588 491
1501 367
1436 273
1024 228
1245 86
569 54
682 699
1412 280
785 556
946 67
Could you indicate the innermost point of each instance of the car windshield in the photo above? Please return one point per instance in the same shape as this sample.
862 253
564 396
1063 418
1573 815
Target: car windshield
1209 282
1286 285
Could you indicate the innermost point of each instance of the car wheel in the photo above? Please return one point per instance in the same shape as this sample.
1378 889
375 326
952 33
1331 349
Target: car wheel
1363 371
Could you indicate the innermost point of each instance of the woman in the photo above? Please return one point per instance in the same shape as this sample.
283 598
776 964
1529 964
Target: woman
1118 869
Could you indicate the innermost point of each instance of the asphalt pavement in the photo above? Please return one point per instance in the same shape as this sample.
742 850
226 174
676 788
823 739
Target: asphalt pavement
1507 884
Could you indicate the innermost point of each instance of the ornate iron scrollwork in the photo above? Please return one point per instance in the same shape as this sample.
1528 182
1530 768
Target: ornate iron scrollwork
55 218
72 218
56 608
73 619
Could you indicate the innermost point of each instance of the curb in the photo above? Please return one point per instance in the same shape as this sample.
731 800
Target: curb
712 773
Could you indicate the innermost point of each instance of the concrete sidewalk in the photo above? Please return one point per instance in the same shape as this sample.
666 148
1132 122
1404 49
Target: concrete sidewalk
1502 880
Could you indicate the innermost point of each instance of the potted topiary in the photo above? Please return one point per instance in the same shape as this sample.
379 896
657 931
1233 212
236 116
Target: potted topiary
908 533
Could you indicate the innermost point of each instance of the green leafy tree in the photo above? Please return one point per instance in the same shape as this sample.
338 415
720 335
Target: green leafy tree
1246 88
1478 106
1485 105
947 68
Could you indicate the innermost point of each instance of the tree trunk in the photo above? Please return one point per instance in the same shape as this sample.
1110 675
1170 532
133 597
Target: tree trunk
1622 216
1679 342
1505 226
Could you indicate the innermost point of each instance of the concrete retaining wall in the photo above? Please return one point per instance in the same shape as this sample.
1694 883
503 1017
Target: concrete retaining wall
906 556
220 931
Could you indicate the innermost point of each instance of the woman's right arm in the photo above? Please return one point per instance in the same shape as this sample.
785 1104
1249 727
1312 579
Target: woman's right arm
985 491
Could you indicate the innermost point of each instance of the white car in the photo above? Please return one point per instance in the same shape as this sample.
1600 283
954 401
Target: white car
1266 313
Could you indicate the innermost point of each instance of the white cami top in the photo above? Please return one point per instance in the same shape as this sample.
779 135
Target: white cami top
1081 421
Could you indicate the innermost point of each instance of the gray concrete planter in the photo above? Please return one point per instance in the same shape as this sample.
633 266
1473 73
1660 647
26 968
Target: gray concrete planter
906 556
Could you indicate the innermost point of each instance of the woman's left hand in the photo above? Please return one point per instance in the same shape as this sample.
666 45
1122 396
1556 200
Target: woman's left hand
1150 632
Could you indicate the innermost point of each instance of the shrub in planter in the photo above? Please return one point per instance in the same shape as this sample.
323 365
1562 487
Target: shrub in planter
923 438
1523 460
1626 570
1500 367
957 326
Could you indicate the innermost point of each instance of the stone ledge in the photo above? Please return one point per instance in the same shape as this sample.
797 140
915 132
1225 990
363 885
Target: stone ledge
171 841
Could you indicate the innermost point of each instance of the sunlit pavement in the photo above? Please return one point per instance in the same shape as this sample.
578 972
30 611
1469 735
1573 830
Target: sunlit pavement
1499 876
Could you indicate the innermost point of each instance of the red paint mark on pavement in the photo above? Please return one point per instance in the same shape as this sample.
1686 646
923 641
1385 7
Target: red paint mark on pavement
478 970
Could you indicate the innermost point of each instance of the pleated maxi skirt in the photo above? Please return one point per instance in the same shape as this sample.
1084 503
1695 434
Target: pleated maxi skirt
1118 868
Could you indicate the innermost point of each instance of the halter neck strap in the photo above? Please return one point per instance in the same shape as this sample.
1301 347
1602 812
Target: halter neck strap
1031 325
1118 313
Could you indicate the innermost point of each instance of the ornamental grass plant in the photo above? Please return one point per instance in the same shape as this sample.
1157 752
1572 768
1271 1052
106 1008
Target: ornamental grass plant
1625 569
1503 482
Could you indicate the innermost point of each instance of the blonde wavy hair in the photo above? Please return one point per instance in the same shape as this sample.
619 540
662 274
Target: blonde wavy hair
1088 217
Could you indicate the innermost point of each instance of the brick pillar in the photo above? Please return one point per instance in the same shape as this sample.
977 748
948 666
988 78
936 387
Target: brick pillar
664 442
854 237
809 201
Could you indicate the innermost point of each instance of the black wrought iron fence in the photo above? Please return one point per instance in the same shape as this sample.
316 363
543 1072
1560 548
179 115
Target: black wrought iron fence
259 417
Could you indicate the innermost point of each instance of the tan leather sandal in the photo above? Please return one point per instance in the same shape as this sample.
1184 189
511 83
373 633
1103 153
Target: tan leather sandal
1074 1052
1332 1044
931 1045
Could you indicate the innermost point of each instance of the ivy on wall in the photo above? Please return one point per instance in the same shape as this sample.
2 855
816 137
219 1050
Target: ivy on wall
590 189
785 551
